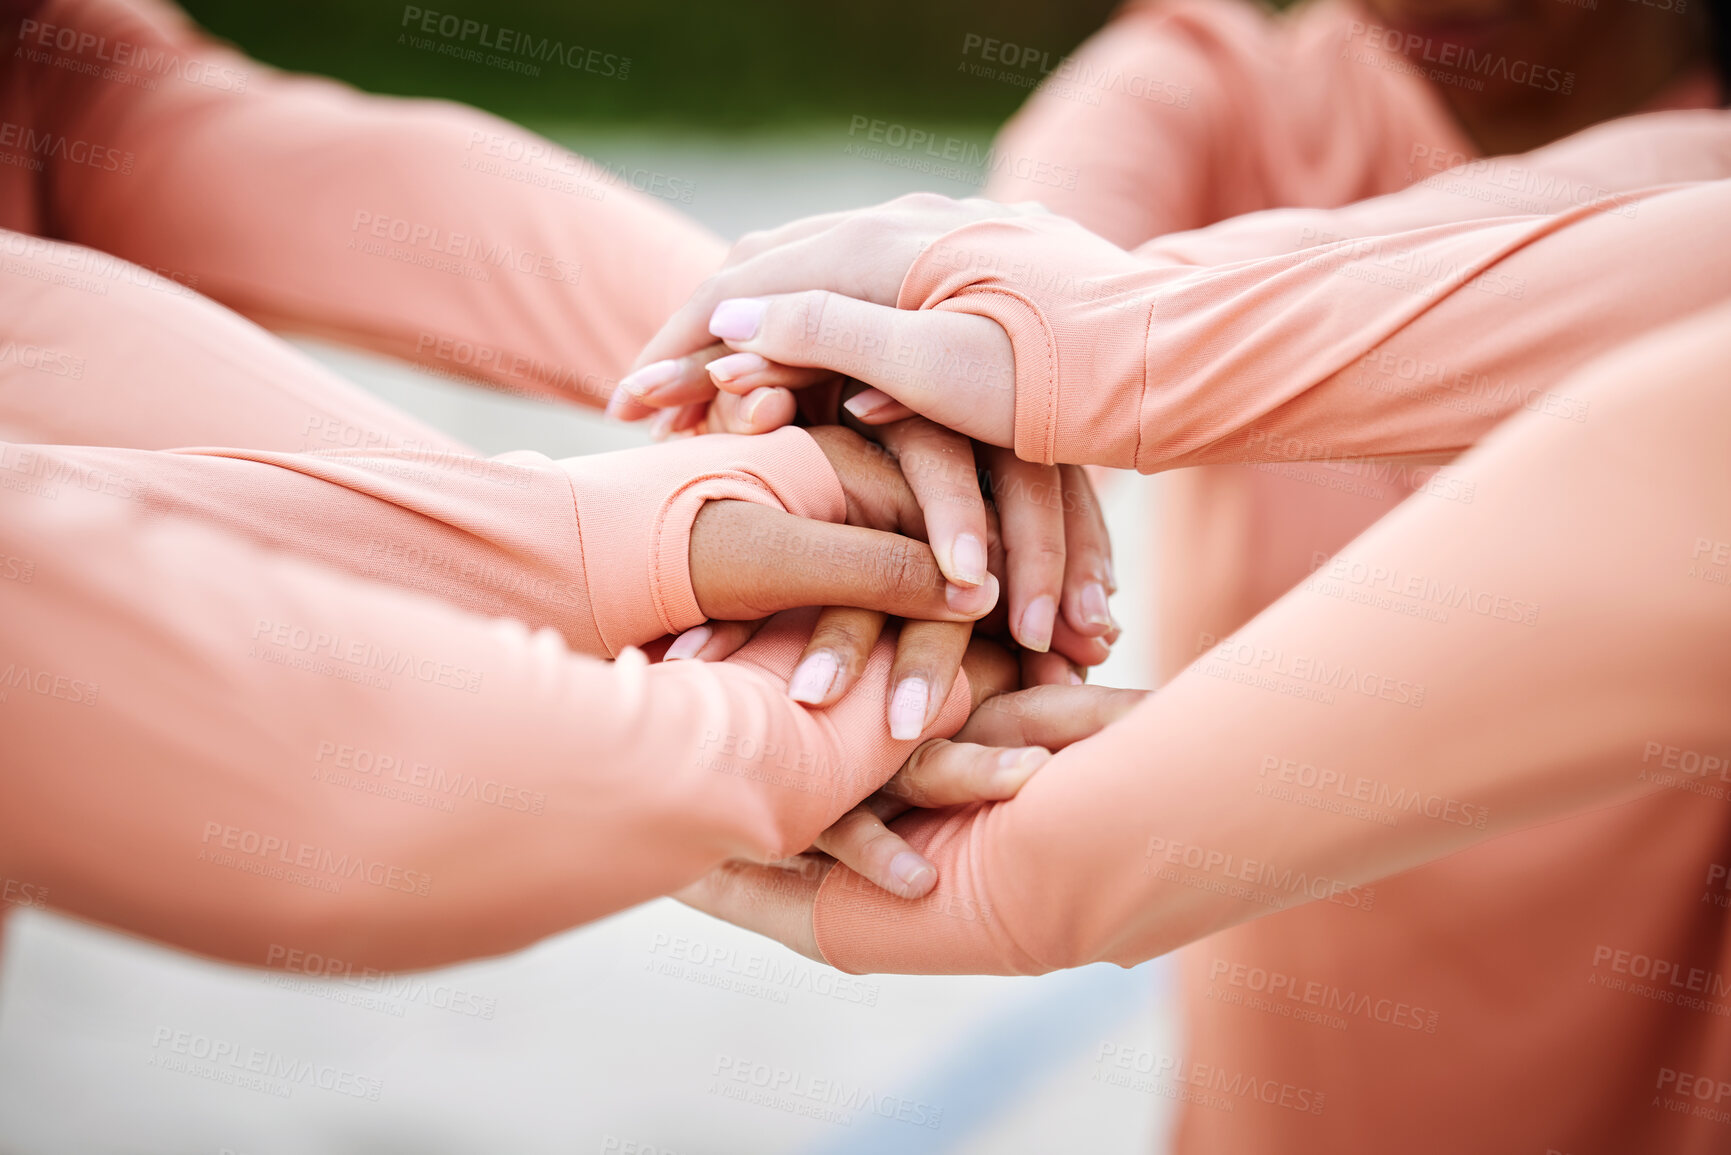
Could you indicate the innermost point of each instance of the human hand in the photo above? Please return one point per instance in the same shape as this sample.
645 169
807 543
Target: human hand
778 900
1057 555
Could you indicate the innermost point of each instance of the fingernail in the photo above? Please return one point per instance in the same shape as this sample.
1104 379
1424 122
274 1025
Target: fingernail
689 644
647 379
1094 609
968 559
1037 622
1076 679
737 319
811 682
912 873
908 708
1111 577
866 402
736 365
975 601
661 426
753 402
1015 767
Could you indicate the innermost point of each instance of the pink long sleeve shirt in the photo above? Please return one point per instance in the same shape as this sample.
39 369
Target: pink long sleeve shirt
334 683
1494 963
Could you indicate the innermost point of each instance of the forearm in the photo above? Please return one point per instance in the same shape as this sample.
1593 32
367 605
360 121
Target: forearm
596 547
1460 671
230 750
420 229
1409 344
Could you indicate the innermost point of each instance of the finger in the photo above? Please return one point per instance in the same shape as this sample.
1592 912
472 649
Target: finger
955 368
928 654
1053 669
938 464
835 656
665 383
1049 716
1087 555
742 372
991 670
761 241
748 561
760 411
862 842
875 407
878 496
1080 649
947 773
771 900
674 422
1029 500
711 642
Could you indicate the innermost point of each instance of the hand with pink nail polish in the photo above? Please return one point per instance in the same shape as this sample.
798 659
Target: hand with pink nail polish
1005 742
842 274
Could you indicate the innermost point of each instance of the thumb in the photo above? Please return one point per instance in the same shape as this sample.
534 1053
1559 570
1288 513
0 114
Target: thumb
956 368
1049 716
749 561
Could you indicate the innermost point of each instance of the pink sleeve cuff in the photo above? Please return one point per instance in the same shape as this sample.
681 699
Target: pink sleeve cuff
635 518
1077 310
956 929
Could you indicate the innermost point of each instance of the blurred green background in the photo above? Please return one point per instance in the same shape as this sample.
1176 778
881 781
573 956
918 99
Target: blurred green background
739 64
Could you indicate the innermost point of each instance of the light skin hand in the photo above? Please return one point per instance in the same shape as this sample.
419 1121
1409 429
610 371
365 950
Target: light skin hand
778 900
811 304
748 561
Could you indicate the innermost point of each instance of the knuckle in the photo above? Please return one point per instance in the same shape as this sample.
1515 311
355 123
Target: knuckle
901 572
847 635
